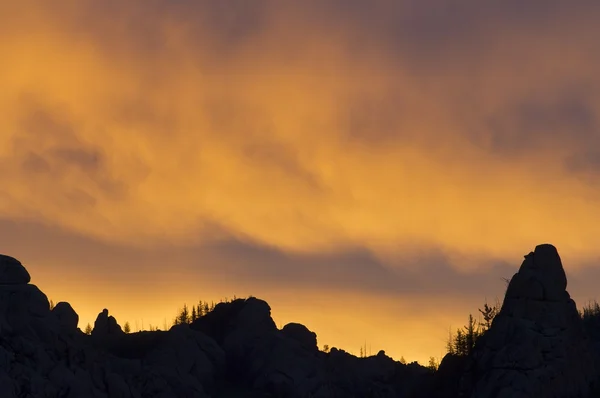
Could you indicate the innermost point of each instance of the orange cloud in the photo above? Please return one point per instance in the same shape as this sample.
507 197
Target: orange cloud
308 128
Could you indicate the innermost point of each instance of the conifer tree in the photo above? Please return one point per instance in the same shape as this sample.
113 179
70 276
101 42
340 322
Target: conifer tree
194 315
88 329
463 342
459 343
488 313
184 316
471 334
433 365
450 346
126 327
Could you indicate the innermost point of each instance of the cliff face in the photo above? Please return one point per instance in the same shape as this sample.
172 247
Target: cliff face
236 350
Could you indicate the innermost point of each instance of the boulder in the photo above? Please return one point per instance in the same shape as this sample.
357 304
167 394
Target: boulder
255 316
20 305
536 346
246 316
302 335
12 271
66 315
106 326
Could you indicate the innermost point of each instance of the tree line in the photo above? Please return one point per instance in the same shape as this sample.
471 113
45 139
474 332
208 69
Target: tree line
460 342
186 314
463 340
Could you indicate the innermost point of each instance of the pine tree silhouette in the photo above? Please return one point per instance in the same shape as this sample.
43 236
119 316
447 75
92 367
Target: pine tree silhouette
488 313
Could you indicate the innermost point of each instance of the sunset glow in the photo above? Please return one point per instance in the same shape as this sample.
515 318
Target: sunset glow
368 168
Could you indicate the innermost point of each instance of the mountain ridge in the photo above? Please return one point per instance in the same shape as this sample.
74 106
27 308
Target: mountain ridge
536 347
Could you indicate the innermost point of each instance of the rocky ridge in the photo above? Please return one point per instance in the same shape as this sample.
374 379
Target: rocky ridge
234 351
536 347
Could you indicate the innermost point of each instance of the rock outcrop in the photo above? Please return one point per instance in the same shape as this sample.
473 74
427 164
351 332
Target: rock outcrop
287 362
536 346
302 335
44 354
12 271
106 326
235 350
66 316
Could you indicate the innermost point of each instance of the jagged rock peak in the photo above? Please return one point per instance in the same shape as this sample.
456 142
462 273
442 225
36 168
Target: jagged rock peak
536 346
541 276
106 325
12 271
66 315
301 334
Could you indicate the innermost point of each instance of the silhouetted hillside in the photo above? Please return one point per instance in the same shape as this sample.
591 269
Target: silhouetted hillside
535 345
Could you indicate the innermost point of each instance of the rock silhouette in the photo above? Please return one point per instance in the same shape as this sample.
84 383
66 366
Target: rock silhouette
536 347
234 351
106 326
12 271
66 316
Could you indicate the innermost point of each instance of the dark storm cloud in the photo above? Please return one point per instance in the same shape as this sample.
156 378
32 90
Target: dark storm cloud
423 273
436 41
275 156
231 21
421 30
408 29
223 26
584 162
86 159
407 77
538 124
455 40
235 263
40 245
375 120
34 163
50 145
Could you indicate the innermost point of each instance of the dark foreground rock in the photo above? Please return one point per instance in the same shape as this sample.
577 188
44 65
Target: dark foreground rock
12 271
234 351
286 363
536 347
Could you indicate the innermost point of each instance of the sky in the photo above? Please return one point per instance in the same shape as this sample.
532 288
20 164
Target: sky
373 169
